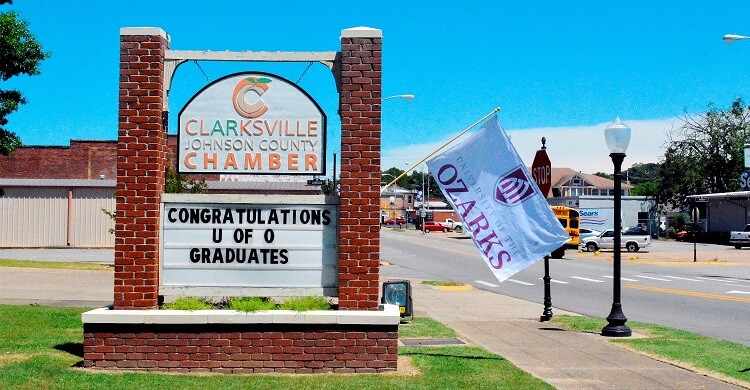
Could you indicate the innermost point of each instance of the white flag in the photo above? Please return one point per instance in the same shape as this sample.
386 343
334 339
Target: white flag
499 203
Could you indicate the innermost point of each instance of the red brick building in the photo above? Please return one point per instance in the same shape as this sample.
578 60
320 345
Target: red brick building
53 196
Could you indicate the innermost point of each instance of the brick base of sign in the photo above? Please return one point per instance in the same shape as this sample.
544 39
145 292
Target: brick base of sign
241 347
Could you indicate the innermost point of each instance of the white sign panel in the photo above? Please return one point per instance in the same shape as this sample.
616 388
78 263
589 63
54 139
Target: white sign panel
225 246
252 123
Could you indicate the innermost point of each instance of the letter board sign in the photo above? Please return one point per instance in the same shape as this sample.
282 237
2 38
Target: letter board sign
249 246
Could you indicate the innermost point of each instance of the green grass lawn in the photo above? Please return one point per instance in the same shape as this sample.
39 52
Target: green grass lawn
685 348
54 265
40 345
425 327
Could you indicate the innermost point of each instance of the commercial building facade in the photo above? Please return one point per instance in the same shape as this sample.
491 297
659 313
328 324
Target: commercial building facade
56 196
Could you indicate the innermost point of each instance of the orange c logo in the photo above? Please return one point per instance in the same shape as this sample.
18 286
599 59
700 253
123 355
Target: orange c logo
257 85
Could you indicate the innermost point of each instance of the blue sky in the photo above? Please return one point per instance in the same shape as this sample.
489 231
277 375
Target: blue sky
557 70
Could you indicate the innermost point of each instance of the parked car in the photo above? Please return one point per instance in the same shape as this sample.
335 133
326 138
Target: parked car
584 233
395 221
432 226
686 235
632 239
455 225
634 231
740 238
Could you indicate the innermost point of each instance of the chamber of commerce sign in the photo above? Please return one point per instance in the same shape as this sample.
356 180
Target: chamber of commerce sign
249 246
254 123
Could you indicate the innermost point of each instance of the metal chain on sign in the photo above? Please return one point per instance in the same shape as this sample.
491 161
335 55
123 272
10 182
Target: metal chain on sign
303 72
202 71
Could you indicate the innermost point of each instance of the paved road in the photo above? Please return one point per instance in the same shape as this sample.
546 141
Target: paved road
662 286
56 287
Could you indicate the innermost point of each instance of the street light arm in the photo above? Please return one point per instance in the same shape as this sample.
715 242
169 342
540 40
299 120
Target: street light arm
406 97
731 38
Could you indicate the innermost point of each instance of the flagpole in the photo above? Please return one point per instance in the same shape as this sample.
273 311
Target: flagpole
440 148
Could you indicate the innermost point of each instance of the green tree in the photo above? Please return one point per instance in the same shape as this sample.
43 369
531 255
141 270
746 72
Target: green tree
649 188
638 173
413 181
177 183
605 175
389 174
643 173
644 178
20 53
704 155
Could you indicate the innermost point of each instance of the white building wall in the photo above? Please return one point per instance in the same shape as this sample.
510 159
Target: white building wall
56 213
601 209
89 224
33 217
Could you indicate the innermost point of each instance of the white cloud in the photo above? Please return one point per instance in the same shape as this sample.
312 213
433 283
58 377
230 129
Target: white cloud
581 148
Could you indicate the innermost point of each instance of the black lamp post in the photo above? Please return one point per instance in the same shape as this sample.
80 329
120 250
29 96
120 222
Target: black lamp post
617 135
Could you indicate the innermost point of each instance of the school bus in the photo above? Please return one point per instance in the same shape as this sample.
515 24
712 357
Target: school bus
570 219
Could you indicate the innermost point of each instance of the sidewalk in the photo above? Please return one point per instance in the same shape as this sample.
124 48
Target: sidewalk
510 327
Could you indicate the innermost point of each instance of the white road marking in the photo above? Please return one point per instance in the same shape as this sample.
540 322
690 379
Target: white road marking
482 282
586 279
520 282
556 281
722 280
625 279
652 278
738 292
679 278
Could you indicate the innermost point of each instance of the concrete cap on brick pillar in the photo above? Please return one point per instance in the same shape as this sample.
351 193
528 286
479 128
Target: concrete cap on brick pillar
144 31
361 32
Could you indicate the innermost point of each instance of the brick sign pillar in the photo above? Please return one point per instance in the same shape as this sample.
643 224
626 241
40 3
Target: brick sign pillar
141 163
359 224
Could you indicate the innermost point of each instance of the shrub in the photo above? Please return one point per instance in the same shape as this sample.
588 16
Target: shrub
306 303
249 304
188 303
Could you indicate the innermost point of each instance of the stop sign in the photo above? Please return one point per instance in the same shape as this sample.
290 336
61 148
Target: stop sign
541 170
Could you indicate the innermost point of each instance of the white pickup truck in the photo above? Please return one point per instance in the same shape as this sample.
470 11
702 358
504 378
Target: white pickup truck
632 239
740 238
455 225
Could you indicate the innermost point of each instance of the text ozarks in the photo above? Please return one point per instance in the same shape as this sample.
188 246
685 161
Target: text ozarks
485 235
245 236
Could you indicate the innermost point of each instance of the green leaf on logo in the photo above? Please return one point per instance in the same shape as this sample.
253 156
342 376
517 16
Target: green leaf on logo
264 80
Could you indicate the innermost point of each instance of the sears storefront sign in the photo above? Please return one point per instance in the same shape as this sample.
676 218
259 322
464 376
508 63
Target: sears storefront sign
596 218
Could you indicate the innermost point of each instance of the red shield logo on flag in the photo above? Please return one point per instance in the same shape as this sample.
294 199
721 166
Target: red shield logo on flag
513 188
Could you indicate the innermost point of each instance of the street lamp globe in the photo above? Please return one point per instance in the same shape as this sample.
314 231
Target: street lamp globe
617 136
